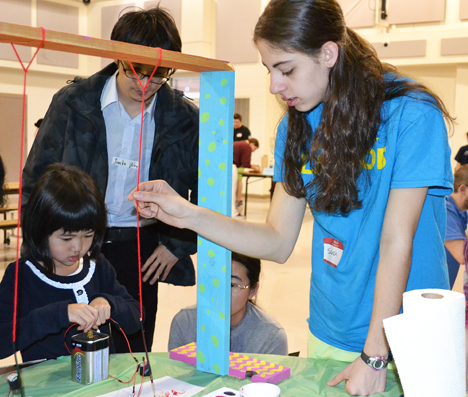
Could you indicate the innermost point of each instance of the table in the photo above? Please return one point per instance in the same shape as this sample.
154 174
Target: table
11 187
249 175
308 377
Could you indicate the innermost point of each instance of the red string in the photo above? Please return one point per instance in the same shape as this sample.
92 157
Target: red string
21 174
138 177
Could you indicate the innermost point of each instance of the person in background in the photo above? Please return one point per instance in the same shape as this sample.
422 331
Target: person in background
366 149
64 279
457 220
241 132
241 157
95 123
462 156
252 330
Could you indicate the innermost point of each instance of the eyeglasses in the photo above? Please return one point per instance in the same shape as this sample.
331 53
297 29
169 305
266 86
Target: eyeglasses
233 286
154 80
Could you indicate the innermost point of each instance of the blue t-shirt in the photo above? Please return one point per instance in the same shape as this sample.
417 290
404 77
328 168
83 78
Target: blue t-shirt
411 151
456 226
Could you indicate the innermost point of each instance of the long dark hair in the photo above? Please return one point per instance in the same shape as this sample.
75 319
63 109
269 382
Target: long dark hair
358 86
64 197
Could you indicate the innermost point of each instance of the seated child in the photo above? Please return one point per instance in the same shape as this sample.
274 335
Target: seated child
63 280
252 330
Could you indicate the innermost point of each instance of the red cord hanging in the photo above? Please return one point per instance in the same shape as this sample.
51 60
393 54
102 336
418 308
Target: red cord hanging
138 173
25 69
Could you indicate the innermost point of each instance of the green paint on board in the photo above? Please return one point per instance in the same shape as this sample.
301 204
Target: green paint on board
216 368
212 147
216 282
204 117
222 316
222 166
223 100
214 340
200 357
202 288
224 82
211 253
210 181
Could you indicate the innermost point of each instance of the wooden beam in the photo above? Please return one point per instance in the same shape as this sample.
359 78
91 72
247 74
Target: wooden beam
67 42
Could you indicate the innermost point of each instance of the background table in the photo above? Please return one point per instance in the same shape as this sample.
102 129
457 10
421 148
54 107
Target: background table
249 175
308 377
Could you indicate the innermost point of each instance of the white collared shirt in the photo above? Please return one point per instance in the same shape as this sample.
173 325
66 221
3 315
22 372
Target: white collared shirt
123 145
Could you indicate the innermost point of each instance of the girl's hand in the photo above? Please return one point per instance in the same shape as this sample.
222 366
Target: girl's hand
104 309
156 199
361 380
83 314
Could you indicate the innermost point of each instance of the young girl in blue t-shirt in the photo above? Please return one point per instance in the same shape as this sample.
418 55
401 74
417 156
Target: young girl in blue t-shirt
63 279
367 150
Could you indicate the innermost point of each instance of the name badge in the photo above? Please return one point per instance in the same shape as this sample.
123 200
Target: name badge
332 251
130 164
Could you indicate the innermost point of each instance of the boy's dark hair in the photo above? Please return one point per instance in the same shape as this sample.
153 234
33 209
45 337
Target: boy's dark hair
2 183
237 116
254 141
64 197
152 28
253 266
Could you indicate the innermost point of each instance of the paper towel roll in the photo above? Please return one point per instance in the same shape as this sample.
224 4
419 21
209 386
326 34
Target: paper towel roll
428 343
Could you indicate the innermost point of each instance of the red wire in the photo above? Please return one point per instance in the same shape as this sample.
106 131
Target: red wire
21 175
138 177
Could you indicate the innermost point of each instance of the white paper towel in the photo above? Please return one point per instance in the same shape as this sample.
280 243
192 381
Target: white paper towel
428 343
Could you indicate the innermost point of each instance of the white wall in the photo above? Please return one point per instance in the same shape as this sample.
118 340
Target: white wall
447 76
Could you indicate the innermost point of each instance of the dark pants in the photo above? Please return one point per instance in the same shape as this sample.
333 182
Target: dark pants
122 253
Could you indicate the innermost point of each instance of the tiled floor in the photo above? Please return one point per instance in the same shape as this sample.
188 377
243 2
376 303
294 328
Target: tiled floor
284 288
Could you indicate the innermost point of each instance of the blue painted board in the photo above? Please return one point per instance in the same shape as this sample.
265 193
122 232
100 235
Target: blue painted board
214 192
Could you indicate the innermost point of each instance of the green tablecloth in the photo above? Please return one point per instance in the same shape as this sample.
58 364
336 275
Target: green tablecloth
308 377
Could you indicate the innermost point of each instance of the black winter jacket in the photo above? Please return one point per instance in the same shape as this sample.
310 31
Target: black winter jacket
73 132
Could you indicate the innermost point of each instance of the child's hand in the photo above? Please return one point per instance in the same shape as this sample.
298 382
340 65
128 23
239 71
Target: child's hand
103 308
83 314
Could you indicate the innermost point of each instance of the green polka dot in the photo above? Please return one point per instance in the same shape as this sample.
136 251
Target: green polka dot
201 287
224 269
204 117
200 356
204 265
207 96
211 253
224 82
200 241
216 282
221 315
215 340
222 166
202 327
212 147
214 132
224 141
216 368
223 100
203 199
207 162
218 211
221 122
199 172
199 141
208 311
212 299
222 193
210 181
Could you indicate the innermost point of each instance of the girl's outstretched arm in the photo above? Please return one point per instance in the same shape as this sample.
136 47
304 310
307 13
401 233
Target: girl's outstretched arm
273 240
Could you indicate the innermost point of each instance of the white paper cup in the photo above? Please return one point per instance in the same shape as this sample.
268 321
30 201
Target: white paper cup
260 390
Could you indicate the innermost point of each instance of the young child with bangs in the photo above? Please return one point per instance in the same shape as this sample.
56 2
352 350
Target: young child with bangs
63 279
